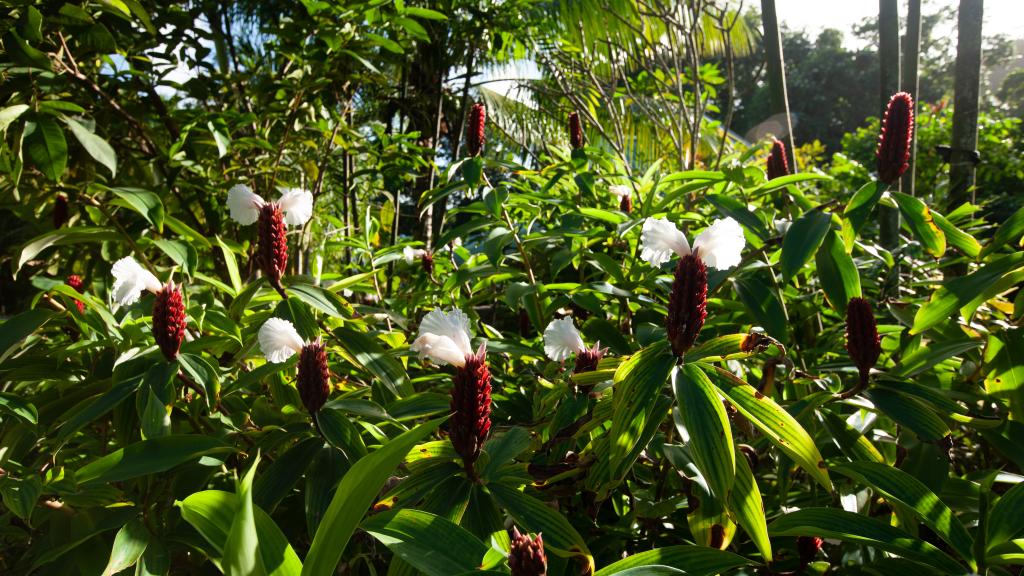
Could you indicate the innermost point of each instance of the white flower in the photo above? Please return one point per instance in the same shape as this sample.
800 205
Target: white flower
782 226
245 205
444 337
412 254
621 190
130 280
279 340
562 339
719 246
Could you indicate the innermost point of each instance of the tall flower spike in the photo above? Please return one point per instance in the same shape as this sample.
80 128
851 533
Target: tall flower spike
862 341
562 339
687 303
169 320
475 136
625 194
526 555
272 246
778 166
130 279
575 131
893 150
75 281
313 379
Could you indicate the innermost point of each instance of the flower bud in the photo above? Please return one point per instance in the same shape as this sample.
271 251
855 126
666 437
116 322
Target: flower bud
526 555
778 165
687 304
60 211
75 281
808 547
169 320
626 204
575 131
427 261
587 359
862 342
893 150
313 379
272 246
471 409
475 136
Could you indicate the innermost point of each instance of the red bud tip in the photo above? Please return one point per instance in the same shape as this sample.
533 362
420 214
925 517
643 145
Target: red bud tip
60 211
586 361
626 204
808 547
687 304
575 131
475 136
272 244
75 281
778 165
427 261
862 341
893 150
471 409
169 320
526 555
313 380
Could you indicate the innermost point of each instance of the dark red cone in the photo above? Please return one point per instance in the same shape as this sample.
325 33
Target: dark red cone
475 136
893 150
862 340
427 261
808 547
60 211
75 281
575 131
272 245
169 320
526 555
313 379
778 166
586 361
626 204
471 409
687 305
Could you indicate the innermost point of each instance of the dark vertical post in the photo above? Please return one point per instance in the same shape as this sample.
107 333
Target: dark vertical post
777 74
889 76
965 103
910 81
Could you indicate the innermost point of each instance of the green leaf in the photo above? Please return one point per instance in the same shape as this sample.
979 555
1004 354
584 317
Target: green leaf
853 444
243 539
777 425
704 415
1012 230
921 223
1004 522
46 147
20 407
746 504
502 449
694 560
956 293
837 272
801 241
75 235
181 253
277 479
851 527
638 381
858 210
129 545
97 147
956 237
325 301
909 412
144 202
354 495
13 331
425 13
535 516
100 406
432 544
212 513
366 353
232 265
896 485
10 114
149 457
20 495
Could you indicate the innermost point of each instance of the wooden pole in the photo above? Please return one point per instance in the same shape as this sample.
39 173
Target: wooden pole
965 103
910 81
889 76
777 74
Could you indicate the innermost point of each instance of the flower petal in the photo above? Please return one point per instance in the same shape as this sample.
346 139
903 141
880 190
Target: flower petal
620 190
130 279
297 205
721 244
412 254
562 339
279 340
452 324
440 349
659 239
244 204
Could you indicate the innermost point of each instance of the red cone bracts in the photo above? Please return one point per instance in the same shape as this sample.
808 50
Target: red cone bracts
687 304
75 281
808 547
272 245
313 380
862 341
526 555
169 320
893 150
475 136
471 409
778 166
575 131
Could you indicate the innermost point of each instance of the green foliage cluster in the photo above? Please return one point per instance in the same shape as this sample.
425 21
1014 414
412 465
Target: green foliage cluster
115 460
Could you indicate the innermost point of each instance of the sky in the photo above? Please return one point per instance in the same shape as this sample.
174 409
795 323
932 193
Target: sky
1001 16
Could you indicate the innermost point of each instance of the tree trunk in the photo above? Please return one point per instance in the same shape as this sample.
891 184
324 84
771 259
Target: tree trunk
965 103
910 81
889 84
777 75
